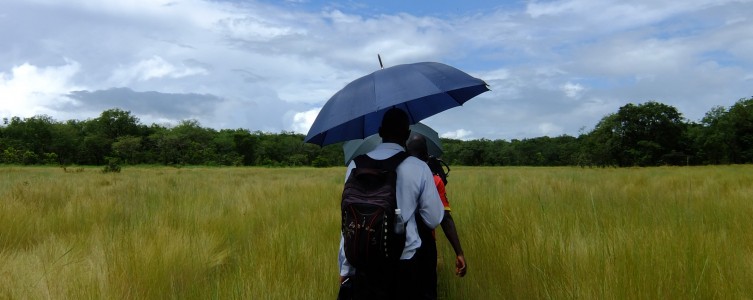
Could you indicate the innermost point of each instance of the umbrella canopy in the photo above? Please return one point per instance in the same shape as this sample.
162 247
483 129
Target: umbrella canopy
354 148
420 89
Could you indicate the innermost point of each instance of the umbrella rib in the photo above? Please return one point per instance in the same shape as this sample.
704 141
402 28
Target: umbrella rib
410 115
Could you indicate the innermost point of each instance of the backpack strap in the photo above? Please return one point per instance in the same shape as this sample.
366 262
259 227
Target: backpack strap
389 164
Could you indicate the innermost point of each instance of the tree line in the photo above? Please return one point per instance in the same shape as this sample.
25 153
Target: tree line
647 134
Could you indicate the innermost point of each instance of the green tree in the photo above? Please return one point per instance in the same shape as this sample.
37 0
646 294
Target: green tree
164 145
187 143
127 148
498 153
114 123
712 138
11 155
225 149
65 141
472 153
30 134
640 135
740 124
603 144
94 148
327 156
245 145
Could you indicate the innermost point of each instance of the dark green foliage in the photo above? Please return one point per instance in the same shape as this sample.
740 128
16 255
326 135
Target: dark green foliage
112 165
740 123
116 137
647 134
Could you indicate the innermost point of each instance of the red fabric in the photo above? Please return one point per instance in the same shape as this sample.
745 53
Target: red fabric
442 192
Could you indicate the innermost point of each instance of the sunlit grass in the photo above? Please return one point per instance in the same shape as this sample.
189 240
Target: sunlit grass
257 233
169 233
561 233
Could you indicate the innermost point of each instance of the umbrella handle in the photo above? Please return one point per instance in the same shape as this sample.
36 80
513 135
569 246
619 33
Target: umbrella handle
446 165
380 61
436 167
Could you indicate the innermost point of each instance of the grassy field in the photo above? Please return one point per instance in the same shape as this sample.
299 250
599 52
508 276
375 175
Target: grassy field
256 233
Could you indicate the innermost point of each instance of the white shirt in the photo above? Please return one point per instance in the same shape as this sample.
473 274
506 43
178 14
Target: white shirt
415 190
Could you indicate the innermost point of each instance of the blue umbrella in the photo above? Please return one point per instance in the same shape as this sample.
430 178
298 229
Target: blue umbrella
356 147
421 89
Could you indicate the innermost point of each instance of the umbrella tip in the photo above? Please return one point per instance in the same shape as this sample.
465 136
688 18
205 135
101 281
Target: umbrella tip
380 61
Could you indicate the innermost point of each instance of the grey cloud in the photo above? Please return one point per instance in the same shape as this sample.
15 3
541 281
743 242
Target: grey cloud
249 76
167 105
210 110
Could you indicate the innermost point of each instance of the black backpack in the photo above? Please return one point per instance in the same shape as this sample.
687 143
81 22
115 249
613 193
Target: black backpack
368 208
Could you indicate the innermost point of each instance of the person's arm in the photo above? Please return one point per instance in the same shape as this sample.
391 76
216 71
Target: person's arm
346 270
448 227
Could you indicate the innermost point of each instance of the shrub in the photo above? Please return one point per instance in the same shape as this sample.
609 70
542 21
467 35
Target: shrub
112 166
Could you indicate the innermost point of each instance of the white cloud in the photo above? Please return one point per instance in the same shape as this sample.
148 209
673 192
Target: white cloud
302 121
572 90
194 12
254 29
634 56
152 68
460 134
550 129
553 66
30 90
615 13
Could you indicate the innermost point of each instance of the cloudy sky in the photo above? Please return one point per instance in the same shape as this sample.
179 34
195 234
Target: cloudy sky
554 67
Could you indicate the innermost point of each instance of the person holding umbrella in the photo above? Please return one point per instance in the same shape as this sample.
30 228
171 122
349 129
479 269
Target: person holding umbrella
419 201
388 101
417 147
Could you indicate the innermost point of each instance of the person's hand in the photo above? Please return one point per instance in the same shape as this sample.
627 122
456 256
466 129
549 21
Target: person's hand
342 278
460 267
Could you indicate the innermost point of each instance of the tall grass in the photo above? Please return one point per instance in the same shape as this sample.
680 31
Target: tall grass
256 233
160 233
563 233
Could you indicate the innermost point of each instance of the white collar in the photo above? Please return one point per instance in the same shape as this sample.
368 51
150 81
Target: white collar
391 146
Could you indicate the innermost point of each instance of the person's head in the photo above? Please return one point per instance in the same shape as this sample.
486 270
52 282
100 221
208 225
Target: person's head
395 126
416 146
